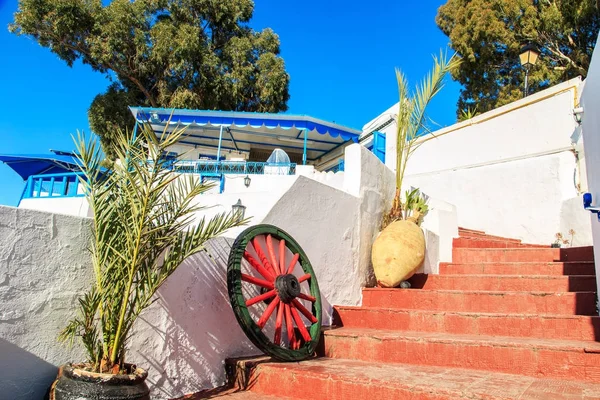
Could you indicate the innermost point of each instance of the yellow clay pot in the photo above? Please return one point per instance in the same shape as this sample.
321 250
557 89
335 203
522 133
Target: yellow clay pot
397 252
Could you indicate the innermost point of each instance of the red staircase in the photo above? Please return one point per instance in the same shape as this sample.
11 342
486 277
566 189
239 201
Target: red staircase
505 320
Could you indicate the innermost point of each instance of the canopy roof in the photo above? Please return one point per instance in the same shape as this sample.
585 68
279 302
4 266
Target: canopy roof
245 130
37 164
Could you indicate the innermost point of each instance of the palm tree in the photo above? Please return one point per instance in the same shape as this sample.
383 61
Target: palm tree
143 230
411 122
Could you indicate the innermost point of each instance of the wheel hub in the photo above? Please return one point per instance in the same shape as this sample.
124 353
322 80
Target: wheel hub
288 287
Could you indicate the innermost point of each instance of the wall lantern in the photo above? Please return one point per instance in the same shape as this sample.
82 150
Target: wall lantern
247 181
528 56
239 210
578 114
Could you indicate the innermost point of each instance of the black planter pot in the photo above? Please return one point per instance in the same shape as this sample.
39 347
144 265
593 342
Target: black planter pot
76 384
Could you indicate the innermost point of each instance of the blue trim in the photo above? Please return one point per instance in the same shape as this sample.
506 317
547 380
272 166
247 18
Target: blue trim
304 150
135 128
243 119
220 141
214 176
378 146
67 184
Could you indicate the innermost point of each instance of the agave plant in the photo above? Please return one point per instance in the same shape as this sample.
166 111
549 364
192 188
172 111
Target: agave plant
144 228
412 122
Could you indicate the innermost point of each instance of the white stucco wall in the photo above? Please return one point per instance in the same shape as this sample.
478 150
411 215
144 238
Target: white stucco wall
590 123
511 171
44 265
77 206
368 179
184 337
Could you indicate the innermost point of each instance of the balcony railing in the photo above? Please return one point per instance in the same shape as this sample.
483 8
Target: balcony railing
234 167
53 185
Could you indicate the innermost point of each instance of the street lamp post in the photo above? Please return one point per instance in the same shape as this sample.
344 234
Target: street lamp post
528 56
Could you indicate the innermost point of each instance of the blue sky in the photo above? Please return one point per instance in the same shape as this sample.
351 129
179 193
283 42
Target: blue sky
340 55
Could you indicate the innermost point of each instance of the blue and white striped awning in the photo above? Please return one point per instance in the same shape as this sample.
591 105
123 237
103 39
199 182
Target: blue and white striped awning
38 164
245 130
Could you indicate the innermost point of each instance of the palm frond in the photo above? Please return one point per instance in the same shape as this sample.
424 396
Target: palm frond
143 230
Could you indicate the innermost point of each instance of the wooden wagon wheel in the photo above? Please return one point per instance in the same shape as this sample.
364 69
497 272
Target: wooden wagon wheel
271 284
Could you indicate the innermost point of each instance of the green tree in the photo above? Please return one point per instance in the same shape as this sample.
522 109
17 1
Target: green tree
488 35
162 53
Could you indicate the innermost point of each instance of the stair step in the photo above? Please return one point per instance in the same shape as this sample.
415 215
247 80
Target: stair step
463 255
462 230
521 268
473 243
356 380
571 303
469 234
531 283
560 359
567 327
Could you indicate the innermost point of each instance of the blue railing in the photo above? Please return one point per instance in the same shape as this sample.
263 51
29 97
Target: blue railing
337 168
234 167
53 185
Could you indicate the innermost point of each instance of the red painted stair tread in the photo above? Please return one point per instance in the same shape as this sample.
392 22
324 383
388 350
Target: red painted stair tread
353 380
560 359
569 327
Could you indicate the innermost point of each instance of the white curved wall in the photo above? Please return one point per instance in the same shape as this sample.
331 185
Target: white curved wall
511 171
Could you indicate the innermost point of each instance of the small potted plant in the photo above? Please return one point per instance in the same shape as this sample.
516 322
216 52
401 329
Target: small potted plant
400 248
561 241
142 231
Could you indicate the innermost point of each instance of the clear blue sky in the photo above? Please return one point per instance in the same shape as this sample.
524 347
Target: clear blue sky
340 56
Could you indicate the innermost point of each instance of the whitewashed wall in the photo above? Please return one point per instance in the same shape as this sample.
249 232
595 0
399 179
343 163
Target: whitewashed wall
186 335
511 171
590 101
44 265
77 206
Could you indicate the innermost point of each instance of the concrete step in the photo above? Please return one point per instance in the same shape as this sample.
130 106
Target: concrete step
476 243
567 327
558 359
471 234
356 380
521 268
463 256
569 303
531 283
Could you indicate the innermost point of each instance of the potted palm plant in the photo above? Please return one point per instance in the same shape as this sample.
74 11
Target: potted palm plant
400 248
143 229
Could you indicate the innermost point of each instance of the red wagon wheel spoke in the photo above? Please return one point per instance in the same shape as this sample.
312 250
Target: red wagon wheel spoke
257 281
293 263
303 278
282 255
307 297
267 314
303 310
278 324
258 267
289 325
300 324
261 297
271 251
261 255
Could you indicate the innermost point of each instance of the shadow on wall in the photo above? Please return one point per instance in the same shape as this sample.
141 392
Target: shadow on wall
24 375
189 332
574 216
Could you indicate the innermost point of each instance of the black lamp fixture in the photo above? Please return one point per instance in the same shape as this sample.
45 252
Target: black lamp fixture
528 56
247 181
239 209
